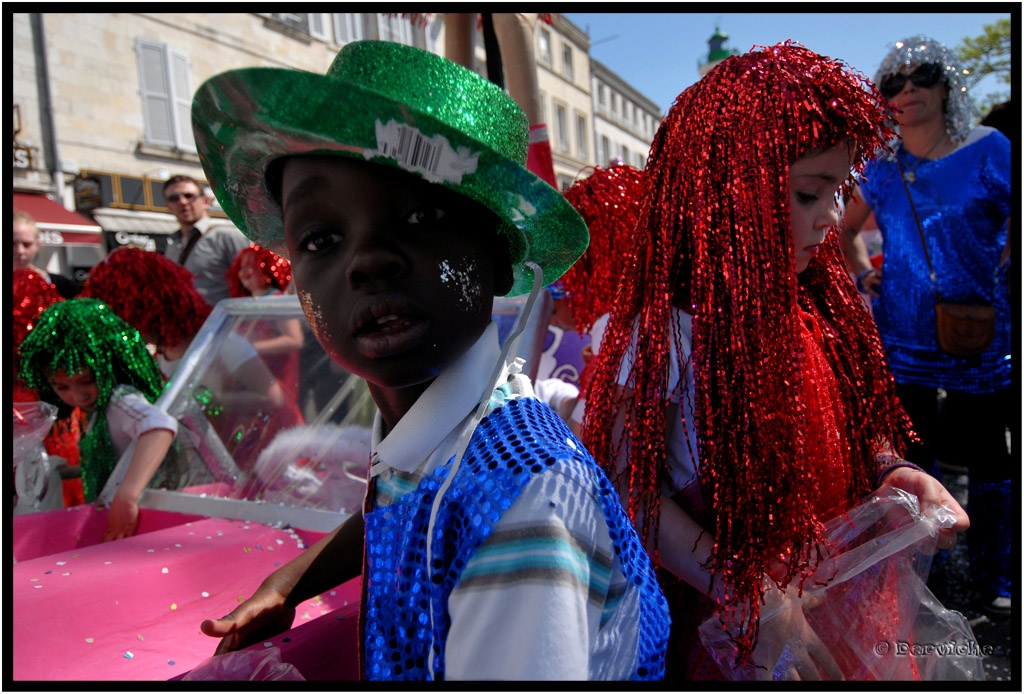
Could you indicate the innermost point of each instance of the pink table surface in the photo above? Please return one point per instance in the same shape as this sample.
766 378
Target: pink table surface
131 609
62 530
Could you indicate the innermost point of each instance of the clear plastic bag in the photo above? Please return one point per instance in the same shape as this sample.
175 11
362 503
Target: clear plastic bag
249 665
37 482
866 613
32 422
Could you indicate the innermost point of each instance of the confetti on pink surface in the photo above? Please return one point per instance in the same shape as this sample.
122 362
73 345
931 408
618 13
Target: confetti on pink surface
129 655
50 627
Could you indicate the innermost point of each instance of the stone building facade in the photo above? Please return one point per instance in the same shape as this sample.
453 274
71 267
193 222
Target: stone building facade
102 103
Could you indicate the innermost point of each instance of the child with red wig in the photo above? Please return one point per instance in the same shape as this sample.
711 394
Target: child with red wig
256 271
741 397
609 202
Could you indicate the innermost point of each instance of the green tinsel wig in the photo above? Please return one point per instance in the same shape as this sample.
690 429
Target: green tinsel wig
85 334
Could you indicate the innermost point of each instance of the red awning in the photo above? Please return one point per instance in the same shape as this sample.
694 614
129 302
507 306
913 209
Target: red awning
64 225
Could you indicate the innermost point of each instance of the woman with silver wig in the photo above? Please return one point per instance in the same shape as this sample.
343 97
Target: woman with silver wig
942 200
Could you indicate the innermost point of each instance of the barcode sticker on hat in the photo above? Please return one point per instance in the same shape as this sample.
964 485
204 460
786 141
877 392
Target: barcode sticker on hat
431 157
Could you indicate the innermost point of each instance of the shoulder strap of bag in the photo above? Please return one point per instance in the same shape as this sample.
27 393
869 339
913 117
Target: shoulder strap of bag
920 231
193 238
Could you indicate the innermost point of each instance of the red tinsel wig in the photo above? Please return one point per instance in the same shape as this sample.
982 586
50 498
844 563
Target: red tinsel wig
609 202
714 241
273 268
153 294
32 295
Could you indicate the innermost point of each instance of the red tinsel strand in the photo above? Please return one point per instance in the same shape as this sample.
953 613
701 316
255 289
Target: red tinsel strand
273 268
609 202
714 241
151 293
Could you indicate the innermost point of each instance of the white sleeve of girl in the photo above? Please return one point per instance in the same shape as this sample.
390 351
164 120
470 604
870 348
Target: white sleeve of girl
130 414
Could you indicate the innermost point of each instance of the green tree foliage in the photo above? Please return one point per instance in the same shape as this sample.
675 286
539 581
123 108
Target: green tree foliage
988 54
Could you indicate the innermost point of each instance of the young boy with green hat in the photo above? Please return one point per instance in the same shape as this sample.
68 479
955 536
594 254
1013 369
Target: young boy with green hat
494 546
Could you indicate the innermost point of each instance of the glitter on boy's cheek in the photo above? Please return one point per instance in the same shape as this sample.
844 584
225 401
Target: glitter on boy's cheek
464 281
315 318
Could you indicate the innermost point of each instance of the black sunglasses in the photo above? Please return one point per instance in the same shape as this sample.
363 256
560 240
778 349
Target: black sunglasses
187 197
925 76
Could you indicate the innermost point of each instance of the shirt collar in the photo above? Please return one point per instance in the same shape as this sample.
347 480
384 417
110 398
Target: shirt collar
204 224
444 405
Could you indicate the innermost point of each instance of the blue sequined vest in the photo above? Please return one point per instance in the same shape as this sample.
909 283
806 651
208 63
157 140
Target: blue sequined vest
508 448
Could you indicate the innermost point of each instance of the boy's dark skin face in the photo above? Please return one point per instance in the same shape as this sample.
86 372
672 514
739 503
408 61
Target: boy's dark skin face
395 275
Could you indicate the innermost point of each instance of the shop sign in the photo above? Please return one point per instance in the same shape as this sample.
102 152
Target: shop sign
127 238
50 238
22 157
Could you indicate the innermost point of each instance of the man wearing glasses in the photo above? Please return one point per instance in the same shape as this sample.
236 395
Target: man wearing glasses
204 246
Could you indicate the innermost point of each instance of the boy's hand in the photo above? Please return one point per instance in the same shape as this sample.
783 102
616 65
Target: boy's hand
930 492
263 615
122 518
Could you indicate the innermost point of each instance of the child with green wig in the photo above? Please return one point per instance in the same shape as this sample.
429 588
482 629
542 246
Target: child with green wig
82 355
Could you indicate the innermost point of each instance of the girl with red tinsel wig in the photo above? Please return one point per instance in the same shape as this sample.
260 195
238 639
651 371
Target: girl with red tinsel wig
256 272
741 397
609 202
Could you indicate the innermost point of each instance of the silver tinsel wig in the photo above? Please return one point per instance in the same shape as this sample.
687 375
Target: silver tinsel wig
909 54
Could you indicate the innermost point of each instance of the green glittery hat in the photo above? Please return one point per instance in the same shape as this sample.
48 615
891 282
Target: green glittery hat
393 105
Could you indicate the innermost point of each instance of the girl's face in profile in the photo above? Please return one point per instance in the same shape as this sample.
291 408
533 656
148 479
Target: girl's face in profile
78 390
814 182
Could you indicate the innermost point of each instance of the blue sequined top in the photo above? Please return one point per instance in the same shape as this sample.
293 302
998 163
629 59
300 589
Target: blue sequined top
406 618
964 201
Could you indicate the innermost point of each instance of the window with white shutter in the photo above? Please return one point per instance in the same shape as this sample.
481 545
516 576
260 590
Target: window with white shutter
181 96
544 46
348 26
317 26
394 28
561 128
581 136
166 90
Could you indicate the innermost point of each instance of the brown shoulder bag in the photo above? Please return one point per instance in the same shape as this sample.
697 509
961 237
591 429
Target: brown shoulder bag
963 330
